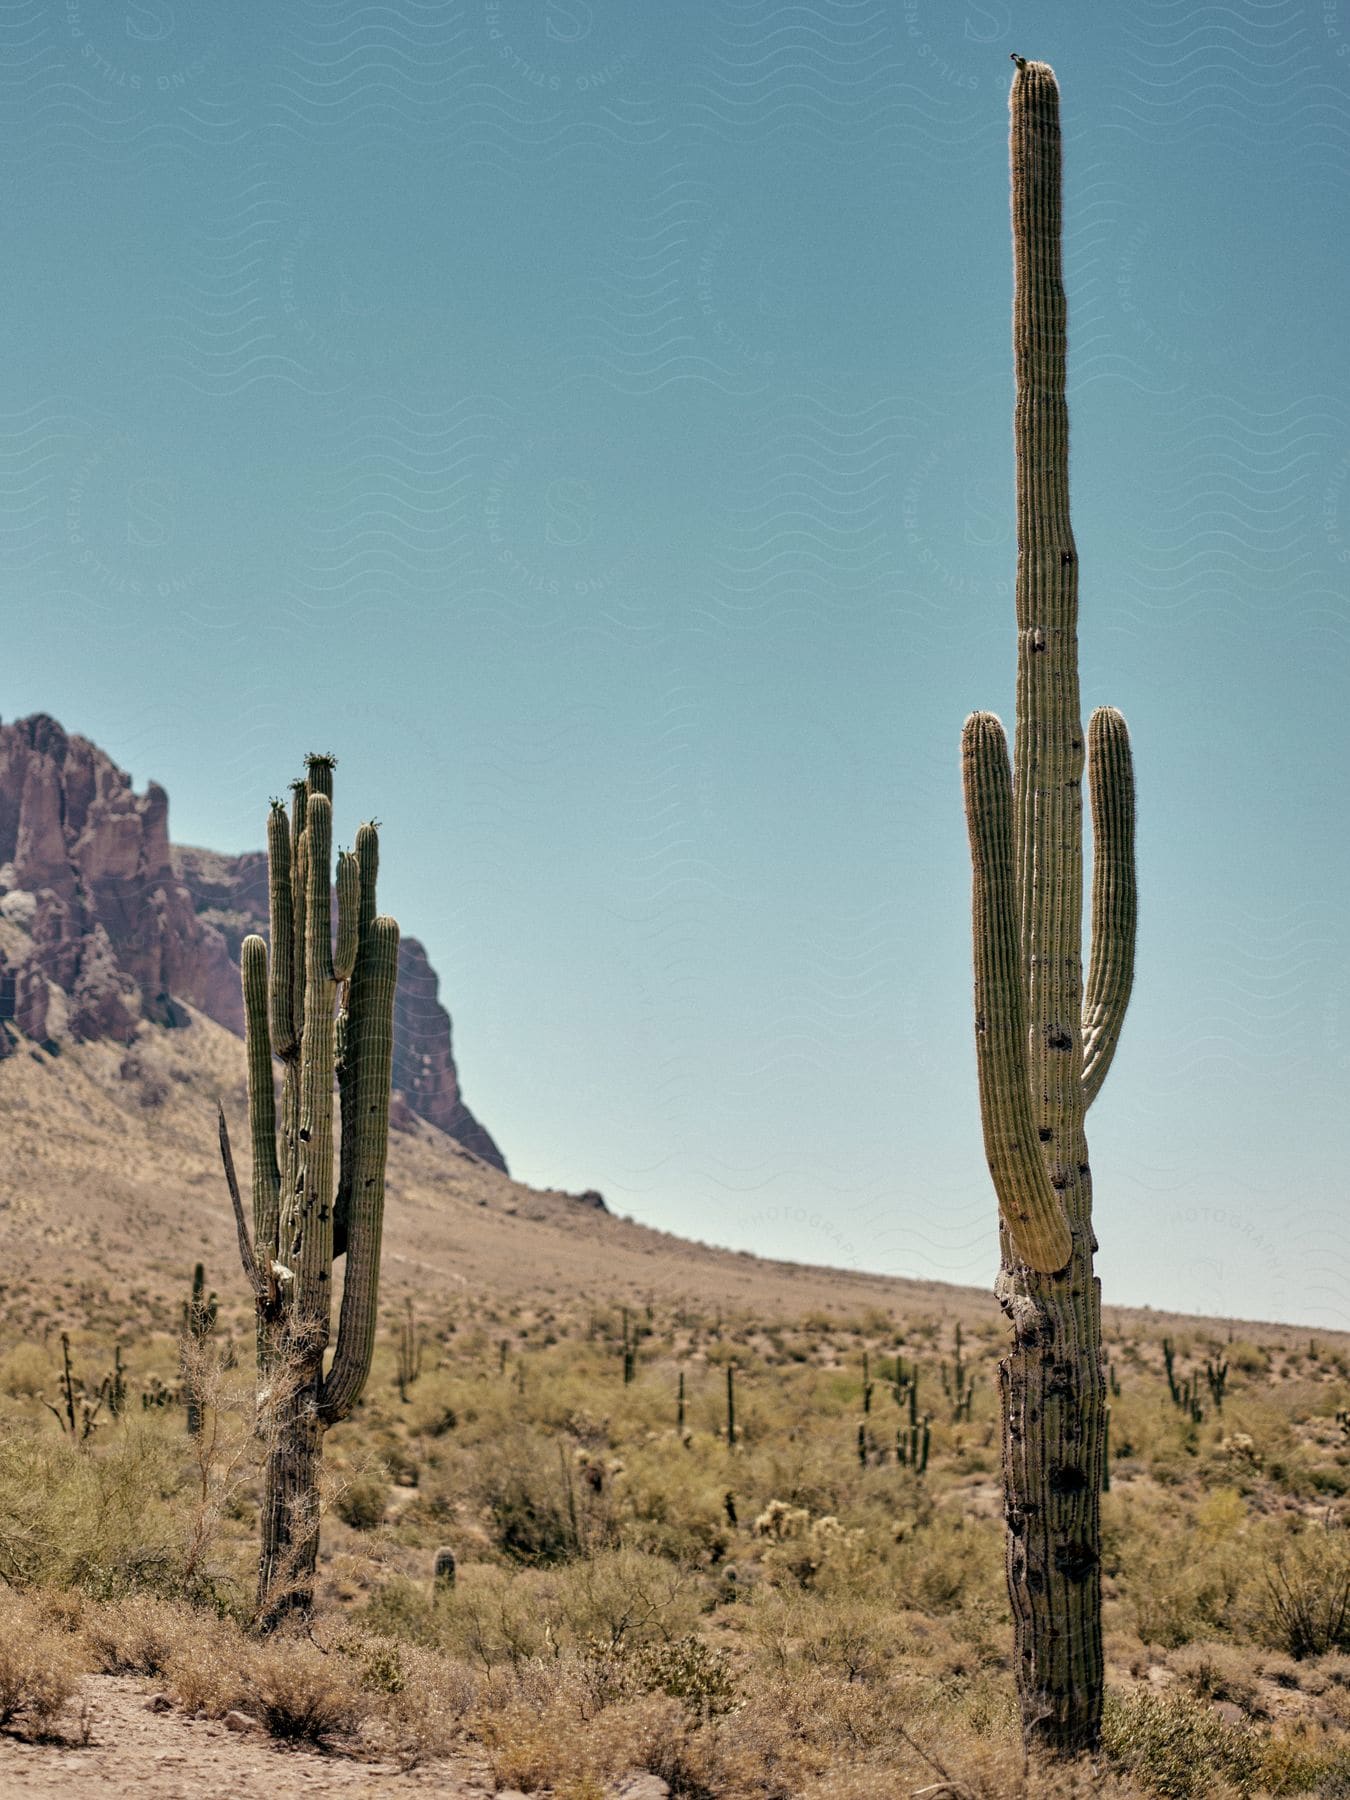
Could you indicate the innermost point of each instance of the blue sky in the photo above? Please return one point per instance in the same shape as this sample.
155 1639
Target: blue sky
593 423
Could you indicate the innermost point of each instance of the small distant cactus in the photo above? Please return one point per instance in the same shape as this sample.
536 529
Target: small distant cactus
78 1414
903 1380
912 1441
444 1569
958 1383
409 1352
155 1395
112 1390
200 1309
199 1321
1191 1399
1216 1375
1185 1392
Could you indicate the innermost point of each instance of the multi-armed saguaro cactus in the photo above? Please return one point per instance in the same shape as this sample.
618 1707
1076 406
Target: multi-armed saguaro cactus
1042 1045
331 1012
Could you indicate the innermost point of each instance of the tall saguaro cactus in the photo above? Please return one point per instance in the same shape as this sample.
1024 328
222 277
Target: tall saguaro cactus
327 1011
1042 1044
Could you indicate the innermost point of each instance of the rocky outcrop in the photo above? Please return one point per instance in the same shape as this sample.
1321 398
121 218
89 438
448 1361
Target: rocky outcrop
104 923
93 917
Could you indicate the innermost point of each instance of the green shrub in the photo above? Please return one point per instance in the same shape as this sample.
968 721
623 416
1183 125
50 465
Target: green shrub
542 1509
1174 1745
361 1502
1306 1609
686 1669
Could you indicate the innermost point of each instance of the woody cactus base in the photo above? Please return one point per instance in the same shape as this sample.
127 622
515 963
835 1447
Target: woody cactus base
327 1012
1043 1046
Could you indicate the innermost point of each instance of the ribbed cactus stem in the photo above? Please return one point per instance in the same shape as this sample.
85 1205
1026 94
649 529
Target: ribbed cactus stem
1029 1205
349 903
367 853
281 926
1048 753
299 809
311 1246
1115 905
262 1110
377 973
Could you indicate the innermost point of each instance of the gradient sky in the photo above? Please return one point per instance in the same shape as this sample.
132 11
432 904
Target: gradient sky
592 421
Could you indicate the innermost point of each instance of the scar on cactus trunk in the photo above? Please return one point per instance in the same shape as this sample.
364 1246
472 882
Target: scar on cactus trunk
328 1013
1042 1045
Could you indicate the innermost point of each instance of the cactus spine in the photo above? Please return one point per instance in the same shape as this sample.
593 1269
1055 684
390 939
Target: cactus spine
328 1015
1042 1044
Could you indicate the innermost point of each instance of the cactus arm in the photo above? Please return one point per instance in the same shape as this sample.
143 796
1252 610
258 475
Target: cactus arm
344 962
311 1248
366 855
281 929
262 1106
299 809
349 901
262 1283
376 976
1029 1206
1114 894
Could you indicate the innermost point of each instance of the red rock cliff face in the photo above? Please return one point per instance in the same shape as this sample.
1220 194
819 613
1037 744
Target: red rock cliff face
104 923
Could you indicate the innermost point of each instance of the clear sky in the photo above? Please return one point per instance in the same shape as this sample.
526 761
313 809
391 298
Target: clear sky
592 421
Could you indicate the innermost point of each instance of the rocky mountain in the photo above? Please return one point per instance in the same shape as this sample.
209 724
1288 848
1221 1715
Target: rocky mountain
104 923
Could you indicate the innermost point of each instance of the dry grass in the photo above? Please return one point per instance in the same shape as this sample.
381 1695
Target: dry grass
39 1666
304 1694
776 1618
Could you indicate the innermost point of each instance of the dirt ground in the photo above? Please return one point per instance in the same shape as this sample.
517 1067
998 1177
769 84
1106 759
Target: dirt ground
134 1750
139 1747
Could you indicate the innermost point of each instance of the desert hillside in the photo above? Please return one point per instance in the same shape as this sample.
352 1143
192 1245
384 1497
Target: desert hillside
111 1175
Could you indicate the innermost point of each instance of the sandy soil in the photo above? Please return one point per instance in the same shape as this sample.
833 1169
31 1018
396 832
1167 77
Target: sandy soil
167 1756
